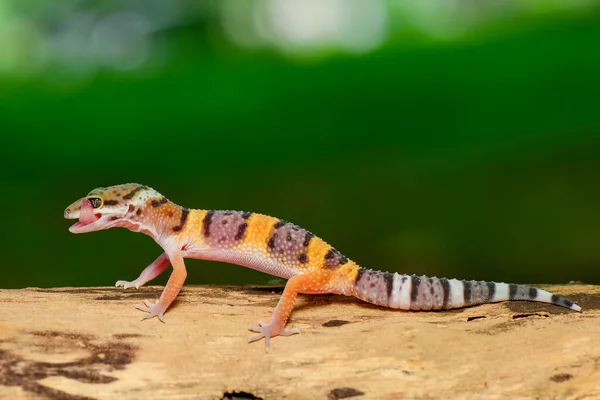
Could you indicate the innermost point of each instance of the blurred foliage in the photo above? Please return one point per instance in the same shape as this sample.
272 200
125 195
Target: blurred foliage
467 150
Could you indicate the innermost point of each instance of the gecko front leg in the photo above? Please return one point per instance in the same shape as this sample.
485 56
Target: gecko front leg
150 272
158 308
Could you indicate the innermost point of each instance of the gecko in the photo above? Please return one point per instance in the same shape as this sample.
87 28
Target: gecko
273 246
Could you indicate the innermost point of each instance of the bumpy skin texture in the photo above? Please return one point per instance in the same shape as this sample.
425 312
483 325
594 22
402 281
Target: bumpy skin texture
273 246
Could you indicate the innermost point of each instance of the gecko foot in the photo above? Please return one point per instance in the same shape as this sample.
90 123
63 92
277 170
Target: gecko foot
154 309
268 331
128 284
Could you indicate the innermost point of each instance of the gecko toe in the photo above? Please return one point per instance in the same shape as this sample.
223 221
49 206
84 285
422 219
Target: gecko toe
289 332
142 308
125 284
255 337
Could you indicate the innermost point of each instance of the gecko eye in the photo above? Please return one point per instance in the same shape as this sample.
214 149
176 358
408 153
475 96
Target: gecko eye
96 201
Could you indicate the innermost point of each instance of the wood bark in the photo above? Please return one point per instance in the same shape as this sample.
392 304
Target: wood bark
89 343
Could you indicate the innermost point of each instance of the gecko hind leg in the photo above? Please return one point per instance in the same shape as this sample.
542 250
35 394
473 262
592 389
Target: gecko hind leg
311 283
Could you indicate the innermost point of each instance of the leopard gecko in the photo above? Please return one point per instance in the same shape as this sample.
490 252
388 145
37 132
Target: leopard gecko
273 246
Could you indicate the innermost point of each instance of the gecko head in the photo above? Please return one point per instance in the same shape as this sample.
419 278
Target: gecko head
109 207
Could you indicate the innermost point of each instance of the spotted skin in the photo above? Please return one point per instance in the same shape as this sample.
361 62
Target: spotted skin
226 229
294 247
276 247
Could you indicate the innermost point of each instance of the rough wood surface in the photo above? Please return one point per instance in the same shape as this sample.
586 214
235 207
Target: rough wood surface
89 343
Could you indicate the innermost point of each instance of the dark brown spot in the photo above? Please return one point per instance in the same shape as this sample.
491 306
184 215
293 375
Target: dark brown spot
446 287
184 214
130 195
138 212
389 281
160 202
241 395
467 291
224 222
126 335
246 214
307 238
558 378
206 222
303 258
491 290
335 322
279 224
513 290
343 393
111 202
334 258
241 230
271 242
469 319
526 315
532 293
359 275
414 291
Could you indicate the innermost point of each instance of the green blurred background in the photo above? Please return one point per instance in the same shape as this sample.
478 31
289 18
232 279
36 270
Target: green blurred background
450 138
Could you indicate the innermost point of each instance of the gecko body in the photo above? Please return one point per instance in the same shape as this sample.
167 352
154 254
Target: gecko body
273 246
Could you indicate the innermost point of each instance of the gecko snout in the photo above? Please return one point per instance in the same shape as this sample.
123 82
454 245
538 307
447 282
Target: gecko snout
69 214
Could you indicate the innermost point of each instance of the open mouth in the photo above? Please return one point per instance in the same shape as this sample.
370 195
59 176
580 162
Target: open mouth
86 216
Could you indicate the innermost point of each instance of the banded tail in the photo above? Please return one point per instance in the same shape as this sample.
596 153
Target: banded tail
411 292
